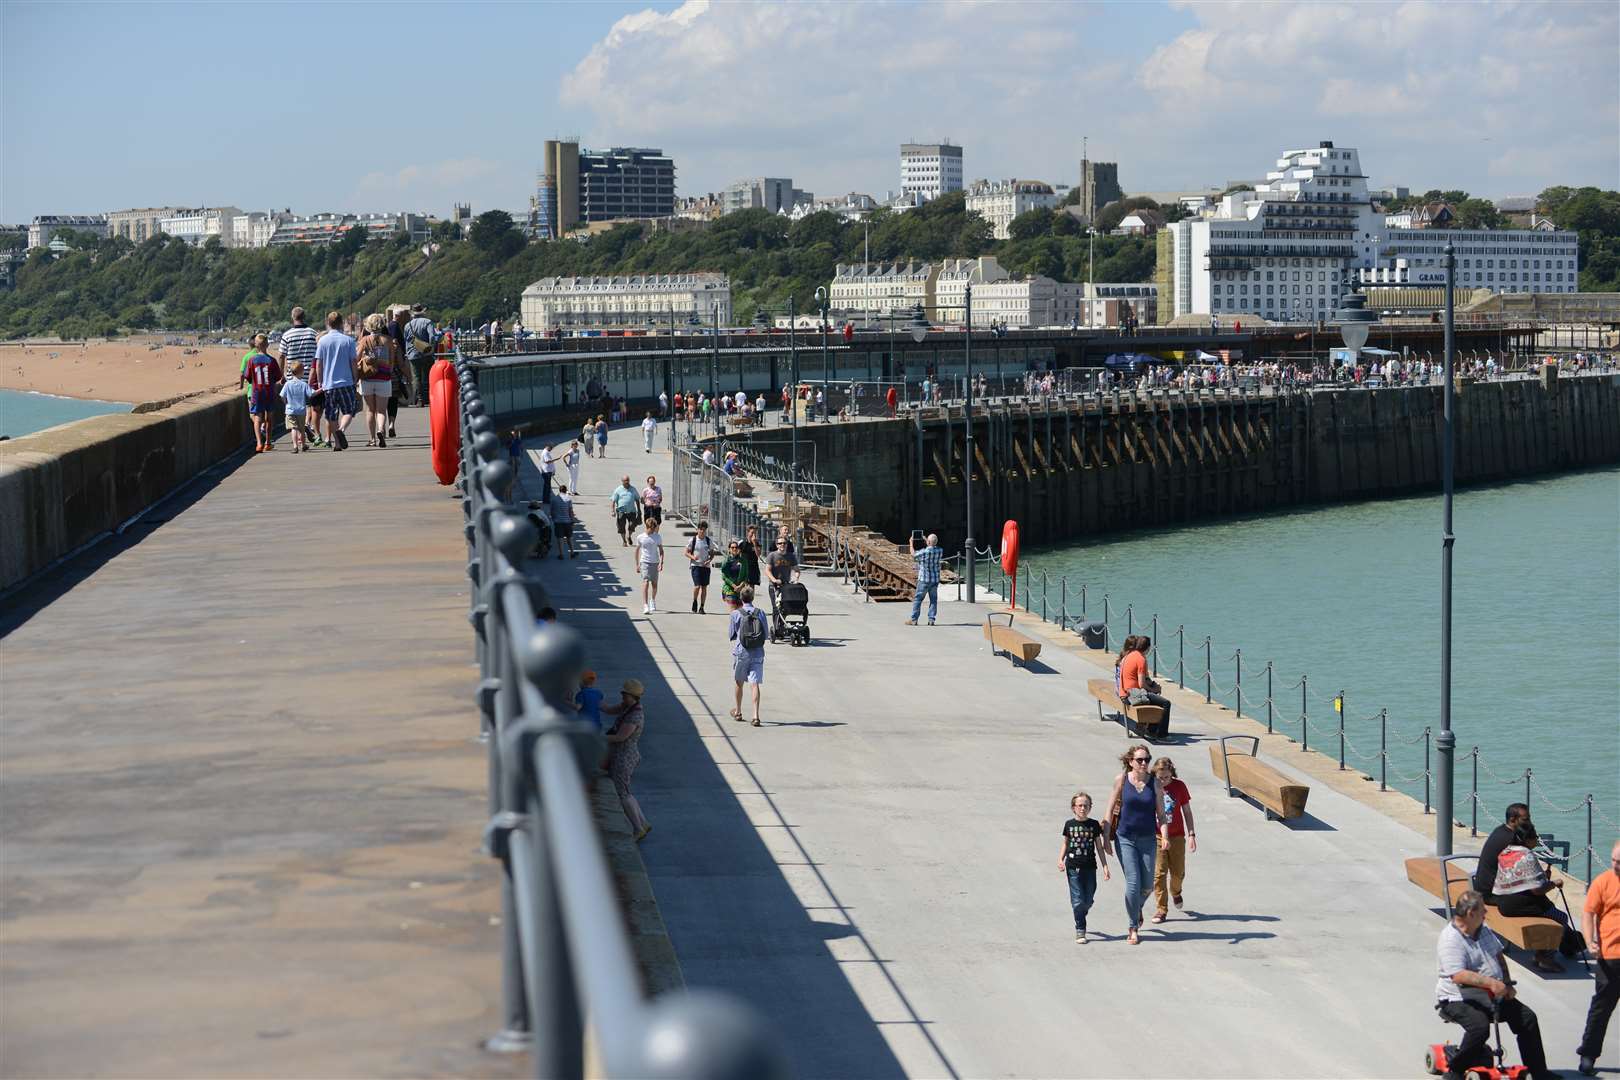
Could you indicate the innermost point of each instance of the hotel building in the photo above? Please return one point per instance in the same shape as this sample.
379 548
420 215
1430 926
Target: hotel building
626 301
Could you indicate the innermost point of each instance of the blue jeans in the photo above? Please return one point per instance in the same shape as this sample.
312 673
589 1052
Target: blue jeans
1137 855
930 591
1082 890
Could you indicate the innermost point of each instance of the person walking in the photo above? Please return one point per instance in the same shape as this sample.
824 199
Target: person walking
548 472
649 427
419 337
624 741
652 501
748 634
627 509
334 374
1083 847
1600 918
587 436
400 388
562 519
375 362
1136 816
571 460
650 560
927 559
700 553
1171 865
601 436
748 550
298 347
261 372
295 393
731 576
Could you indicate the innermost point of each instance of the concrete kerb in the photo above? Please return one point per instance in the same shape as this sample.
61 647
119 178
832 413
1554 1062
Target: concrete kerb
1278 748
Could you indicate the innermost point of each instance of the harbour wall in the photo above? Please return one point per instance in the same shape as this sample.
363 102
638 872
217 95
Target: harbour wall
1068 469
64 486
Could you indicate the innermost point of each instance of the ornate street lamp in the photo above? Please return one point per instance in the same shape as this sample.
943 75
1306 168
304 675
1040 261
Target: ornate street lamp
1355 322
821 301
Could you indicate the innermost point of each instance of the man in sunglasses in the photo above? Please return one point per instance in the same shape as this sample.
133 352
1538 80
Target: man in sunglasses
1601 919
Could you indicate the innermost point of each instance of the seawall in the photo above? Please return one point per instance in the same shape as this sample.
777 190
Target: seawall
1069 468
63 486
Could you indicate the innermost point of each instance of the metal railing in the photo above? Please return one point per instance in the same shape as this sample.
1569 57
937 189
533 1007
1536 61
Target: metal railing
566 956
1104 622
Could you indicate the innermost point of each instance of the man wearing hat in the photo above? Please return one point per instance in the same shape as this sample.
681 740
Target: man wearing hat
419 337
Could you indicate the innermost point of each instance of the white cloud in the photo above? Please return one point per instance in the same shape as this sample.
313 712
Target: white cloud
1500 98
428 184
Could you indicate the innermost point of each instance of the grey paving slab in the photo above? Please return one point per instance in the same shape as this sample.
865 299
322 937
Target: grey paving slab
875 867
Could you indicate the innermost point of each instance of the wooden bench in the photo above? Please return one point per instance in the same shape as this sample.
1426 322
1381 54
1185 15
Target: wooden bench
1525 931
1019 647
1147 720
1245 774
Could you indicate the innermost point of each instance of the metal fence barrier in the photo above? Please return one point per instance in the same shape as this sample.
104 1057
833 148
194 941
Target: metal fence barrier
567 961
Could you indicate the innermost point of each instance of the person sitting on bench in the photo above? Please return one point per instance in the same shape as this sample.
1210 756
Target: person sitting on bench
1135 688
1519 831
1472 975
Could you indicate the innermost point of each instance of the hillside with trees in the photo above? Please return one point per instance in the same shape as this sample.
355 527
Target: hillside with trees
103 287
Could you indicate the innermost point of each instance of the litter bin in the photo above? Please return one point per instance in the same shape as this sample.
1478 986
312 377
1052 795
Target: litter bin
1094 634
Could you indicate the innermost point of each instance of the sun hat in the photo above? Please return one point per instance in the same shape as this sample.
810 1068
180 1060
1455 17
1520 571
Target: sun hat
633 688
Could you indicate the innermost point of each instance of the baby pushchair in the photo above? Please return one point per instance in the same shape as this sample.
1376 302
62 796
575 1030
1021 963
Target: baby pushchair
790 619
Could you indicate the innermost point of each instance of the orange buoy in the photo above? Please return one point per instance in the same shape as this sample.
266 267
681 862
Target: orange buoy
1009 558
444 414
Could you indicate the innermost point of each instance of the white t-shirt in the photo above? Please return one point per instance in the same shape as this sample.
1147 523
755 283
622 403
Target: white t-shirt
701 549
742 399
708 457
546 464
1455 952
649 549
649 424
571 459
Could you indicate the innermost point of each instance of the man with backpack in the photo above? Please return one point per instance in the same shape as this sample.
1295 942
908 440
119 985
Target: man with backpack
749 632
700 553
419 345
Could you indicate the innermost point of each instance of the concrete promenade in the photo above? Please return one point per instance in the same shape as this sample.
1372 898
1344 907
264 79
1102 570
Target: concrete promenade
242 803
876 867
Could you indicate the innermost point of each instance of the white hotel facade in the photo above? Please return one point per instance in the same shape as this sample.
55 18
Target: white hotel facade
998 202
626 301
1284 251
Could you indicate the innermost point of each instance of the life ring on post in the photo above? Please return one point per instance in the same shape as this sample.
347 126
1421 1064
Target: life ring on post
1009 559
444 414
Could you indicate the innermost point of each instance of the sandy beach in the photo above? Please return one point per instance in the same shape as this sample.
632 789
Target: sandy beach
128 369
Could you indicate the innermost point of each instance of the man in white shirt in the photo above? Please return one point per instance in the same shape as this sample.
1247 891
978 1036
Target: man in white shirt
663 403
648 427
548 470
700 553
1472 976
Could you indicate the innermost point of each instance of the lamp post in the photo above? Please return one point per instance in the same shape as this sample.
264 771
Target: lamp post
1355 321
792 402
821 300
1446 742
693 325
669 362
714 355
967 414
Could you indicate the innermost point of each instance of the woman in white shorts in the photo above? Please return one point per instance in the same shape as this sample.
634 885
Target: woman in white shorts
374 363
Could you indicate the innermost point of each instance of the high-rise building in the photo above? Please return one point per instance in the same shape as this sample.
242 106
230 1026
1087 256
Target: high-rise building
1288 250
929 170
772 193
1099 186
578 187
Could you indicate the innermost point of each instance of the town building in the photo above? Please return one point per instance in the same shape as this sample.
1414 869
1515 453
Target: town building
1099 186
626 301
929 170
1110 303
1140 222
998 202
45 226
139 226
1289 249
199 225
255 228
705 207
868 289
461 216
851 207
578 187
772 193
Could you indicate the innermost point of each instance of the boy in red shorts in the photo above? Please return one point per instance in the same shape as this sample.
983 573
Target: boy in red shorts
262 373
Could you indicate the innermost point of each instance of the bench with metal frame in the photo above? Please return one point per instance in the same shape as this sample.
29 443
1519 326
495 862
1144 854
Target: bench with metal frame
1273 792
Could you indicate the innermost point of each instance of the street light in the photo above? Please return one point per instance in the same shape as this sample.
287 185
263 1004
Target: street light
918 327
967 414
1355 321
793 398
1446 742
821 301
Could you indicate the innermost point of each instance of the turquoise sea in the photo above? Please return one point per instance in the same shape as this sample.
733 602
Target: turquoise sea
1350 594
23 412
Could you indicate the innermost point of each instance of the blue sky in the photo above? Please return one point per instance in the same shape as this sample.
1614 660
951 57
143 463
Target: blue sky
107 106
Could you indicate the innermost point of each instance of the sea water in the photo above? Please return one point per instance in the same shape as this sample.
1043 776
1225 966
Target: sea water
24 412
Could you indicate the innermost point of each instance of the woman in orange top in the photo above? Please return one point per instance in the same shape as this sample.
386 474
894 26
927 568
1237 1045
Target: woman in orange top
1135 686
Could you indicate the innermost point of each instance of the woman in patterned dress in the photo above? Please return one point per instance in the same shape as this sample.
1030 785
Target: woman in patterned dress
624 739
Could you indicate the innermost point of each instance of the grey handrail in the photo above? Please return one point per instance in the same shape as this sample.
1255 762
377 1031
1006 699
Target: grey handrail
566 954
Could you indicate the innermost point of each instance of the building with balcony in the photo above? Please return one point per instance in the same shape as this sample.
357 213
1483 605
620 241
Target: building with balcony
45 226
139 226
197 227
255 228
626 301
929 170
773 193
578 187
998 202
876 289
1288 249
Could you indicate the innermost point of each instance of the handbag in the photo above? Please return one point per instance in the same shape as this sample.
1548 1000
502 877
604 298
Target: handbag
423 347
1111 821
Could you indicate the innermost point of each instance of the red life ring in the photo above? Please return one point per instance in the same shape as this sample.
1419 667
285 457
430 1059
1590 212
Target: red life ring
1009 557
444 412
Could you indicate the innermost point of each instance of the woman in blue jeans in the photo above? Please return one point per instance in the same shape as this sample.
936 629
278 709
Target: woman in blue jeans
1140 828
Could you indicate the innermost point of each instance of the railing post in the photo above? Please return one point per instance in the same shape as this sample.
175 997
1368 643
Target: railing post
1304 712
1044 583
1383 750
1209 675
1426 769
1268 698
1082 601
1240 683
1473 797
1105 622
1338 704
1155 644
1527 787
1130 619
1063 602
1181 656
1589 851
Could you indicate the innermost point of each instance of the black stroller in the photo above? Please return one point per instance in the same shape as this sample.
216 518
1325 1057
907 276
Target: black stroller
790 619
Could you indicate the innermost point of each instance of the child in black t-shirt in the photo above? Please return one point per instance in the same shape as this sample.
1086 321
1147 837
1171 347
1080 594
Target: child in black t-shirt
1083 849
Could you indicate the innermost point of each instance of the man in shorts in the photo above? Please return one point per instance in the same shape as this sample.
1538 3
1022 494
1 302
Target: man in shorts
627 508
334 374
700 553
650 560
748 633
298 347
562 519
261 372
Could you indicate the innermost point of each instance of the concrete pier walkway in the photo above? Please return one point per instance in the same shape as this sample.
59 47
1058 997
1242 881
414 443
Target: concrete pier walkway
876 866
241 801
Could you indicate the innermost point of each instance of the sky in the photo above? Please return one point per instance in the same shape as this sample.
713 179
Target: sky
107 106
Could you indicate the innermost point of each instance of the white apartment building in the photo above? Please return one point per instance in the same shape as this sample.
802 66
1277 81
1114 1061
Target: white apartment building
1288 249
1003 299
773 193
255 228
928 170
998 202
196 226
139 226
45 226
876 289
625 301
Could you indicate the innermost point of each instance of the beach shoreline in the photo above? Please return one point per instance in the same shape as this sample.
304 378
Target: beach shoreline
124 370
